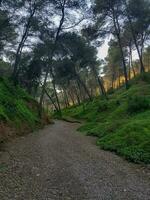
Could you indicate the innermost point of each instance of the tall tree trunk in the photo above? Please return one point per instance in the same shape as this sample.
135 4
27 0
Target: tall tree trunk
117 31
119 79
80 91
132 62
78 97
66 97
54 87
72 98
134 39
112 82
51 57
20 47
84 86
100 83
51 99
129 74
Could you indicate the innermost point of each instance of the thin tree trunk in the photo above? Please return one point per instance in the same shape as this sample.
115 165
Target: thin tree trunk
52 54
129 67
66 97
78 97
112 82
134 39
20 47
101 86
119 79
117 30
84 86
55 91
80 91
132 63
51 99
72 98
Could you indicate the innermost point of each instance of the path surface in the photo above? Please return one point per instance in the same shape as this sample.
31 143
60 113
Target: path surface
58 163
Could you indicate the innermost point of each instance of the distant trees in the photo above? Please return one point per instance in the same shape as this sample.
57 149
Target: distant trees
74 61
52 52
146 58
126 21
62 8
138 16
30 8
113 67
110 12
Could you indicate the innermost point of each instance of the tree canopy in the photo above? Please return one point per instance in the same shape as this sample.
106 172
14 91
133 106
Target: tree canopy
51 47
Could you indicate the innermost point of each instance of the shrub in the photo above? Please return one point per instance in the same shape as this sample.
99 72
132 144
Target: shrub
103 106
145 77
137 104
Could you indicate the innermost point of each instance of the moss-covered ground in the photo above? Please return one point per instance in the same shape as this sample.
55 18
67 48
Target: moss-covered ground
122 123
18 111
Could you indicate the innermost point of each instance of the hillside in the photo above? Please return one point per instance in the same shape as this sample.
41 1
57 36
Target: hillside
122 123
18 111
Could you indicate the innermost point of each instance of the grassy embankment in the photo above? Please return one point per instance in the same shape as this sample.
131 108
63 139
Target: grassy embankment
122 124
18 111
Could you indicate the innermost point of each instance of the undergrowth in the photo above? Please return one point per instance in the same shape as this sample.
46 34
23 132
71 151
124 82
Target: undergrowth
18 110
122 124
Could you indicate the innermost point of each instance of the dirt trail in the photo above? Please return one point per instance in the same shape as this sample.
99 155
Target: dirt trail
58 163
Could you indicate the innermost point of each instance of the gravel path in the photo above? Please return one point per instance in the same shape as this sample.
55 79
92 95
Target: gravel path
58 163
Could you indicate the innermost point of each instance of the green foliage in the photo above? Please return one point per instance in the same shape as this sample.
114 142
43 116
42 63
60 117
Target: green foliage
14 105
5 68
145 77
130 141
138 103
103 106
122 124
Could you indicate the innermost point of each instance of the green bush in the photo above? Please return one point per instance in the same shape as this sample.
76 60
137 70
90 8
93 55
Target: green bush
122 124
14 105
103 106
138 104
130 140
145 77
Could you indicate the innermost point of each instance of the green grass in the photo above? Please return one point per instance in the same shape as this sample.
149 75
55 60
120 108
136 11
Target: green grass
17 108
122 124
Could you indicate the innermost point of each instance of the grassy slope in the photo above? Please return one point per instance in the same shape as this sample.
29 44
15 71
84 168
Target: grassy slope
121 124
18 111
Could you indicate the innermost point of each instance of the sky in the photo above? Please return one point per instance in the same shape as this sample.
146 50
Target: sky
103 51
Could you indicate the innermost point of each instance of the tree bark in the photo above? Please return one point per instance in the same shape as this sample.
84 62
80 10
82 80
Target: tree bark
78 97
72 98
84 86
134 39
117 31
20 47
54 87
129 74
101 86
132 63
80 91
52 54
66 97
51 99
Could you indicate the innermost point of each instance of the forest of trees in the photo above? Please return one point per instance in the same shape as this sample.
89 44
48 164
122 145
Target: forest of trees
50 47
